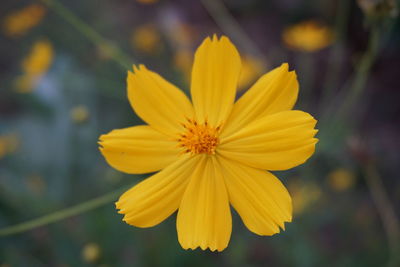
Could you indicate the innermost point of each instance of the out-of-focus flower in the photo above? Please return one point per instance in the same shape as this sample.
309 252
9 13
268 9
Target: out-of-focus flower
146 39
19 22
8 144
91 252
211 151
378 8
36 184
251 69
35 65
147 2
304 195
308 36
39 59
79 114
183 60
341 179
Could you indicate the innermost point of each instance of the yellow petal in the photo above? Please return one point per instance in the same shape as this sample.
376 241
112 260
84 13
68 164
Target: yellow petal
138 149
274 92
156 198
261 200
204 217
215 75
275 142
158 102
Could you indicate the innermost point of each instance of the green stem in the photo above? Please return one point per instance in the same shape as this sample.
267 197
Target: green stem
385 210
62 214
335 114
116 53
364 67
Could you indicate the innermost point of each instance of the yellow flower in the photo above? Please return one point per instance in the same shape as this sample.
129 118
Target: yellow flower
211 151
251 67
146 39
308 36
341 179
19 22
35 65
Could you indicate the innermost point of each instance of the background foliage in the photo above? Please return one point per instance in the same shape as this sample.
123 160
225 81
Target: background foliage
63 68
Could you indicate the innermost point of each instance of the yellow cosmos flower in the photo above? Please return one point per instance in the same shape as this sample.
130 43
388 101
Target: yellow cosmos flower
19 22
308 36
211 152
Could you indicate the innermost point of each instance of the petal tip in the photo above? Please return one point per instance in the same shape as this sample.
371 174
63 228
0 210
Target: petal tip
214 37
285 66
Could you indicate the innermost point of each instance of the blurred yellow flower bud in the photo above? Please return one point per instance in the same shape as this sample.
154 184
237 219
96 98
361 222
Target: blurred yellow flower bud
146 39
183 60
34 66
79 114
39 59
307 36
341 179
303 195
91 252
21 21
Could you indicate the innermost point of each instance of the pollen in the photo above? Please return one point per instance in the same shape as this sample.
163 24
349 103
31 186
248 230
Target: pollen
199 138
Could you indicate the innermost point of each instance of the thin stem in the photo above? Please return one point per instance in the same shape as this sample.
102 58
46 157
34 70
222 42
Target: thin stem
336 111
336 53
230 26
62 214
116 53
364 67
386 212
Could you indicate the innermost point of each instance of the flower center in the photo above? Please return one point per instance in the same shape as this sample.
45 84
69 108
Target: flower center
199 138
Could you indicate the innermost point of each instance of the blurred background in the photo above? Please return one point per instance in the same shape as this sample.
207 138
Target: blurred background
63 68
